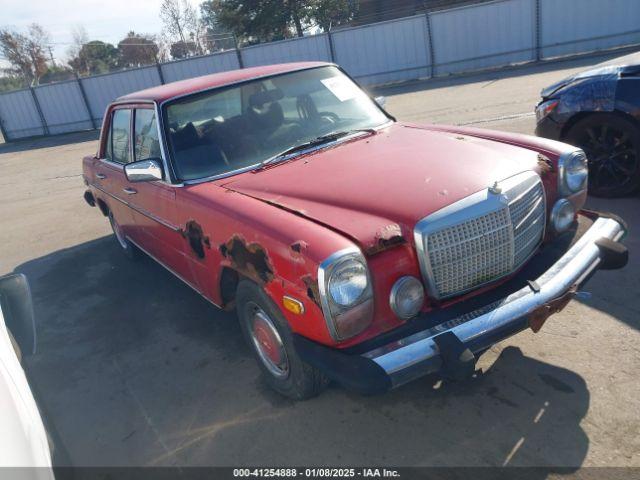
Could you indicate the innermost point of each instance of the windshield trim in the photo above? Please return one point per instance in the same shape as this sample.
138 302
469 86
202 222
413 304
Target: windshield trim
162 106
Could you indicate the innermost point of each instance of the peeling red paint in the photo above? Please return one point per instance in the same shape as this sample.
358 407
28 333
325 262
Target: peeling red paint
387 237
312 289
545 165
197 239
249 259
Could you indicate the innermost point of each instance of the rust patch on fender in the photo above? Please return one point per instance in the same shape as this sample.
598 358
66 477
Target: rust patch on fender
299 246
545 165
249 259
540 314
197 239
385 238
312 289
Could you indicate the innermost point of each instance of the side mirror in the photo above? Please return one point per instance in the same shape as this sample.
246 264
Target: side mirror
382 101
144 170
17 311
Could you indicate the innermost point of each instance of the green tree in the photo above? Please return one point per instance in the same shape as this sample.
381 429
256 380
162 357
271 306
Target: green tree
254 21
56 74
182 49
12 82
137 50
25 52
95 57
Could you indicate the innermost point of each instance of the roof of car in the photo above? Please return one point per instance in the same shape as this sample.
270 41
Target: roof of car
196 84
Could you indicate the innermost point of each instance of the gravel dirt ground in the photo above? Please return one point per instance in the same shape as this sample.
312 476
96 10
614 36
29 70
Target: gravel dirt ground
134 368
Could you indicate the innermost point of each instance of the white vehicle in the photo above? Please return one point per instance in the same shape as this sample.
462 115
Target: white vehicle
23 438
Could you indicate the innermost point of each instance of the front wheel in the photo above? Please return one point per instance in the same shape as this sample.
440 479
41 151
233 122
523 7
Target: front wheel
269 336
612 146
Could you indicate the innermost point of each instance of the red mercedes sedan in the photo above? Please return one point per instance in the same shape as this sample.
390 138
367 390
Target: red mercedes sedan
353 247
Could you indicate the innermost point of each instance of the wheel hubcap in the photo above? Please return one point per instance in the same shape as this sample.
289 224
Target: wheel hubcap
268 343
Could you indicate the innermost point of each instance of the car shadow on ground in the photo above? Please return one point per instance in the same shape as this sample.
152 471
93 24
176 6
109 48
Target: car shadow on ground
134 368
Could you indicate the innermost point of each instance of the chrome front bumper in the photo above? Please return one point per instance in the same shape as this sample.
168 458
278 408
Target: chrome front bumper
418 354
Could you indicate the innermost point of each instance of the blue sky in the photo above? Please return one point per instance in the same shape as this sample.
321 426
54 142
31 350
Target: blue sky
107 20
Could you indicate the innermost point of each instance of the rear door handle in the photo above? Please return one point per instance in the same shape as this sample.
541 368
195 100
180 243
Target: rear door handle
101 176
129 191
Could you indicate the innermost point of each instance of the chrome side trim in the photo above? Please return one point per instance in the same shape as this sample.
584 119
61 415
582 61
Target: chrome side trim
153 257
418 355
141 211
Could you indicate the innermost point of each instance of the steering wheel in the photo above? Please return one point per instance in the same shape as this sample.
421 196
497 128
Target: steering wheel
332 117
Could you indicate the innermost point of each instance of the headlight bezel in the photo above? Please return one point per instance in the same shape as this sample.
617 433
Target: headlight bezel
566 166
331 309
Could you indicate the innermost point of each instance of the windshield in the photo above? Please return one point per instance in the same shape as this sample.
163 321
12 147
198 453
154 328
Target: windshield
231 128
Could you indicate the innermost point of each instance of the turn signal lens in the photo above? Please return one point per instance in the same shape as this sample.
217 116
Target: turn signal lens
293 305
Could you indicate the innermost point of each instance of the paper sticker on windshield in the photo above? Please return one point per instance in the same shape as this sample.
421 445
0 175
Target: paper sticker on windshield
341 87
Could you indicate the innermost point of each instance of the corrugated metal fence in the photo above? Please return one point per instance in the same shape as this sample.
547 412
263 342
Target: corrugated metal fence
469 38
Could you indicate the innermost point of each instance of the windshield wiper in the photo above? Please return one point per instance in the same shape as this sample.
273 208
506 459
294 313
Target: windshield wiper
314 142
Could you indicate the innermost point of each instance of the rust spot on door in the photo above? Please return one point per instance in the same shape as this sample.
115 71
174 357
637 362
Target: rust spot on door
197 239
249 259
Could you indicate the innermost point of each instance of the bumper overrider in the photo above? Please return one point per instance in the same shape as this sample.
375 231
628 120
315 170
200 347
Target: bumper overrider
449 347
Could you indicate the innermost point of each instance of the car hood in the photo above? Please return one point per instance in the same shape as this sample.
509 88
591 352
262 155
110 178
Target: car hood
375 188
628 64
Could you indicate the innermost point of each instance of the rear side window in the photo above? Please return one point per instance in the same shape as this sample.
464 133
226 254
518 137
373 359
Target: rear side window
146 135
119 137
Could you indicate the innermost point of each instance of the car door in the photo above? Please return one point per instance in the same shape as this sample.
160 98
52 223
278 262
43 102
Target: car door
109 169
157 230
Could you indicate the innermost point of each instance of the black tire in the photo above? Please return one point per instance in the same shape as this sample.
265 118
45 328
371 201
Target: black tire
612 146
129 249
299 380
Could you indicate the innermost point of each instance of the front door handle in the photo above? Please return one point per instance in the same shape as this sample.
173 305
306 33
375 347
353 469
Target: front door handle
101 176
129 190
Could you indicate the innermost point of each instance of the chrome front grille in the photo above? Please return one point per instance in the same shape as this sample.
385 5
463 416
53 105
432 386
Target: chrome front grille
482 237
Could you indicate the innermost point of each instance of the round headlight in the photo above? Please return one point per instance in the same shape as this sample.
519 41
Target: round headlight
562 215
348 282
575 171
407 297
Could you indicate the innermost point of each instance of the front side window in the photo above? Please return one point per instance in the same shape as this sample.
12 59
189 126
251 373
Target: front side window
231 128
145 131
119 137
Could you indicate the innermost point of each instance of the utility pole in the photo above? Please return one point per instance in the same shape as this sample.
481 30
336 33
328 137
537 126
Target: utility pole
53 62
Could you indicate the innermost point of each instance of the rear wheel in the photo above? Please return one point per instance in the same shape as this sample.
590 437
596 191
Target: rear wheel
612 146
268 333
129 249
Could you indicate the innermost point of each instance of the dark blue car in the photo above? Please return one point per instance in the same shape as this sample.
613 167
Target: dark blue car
598 110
